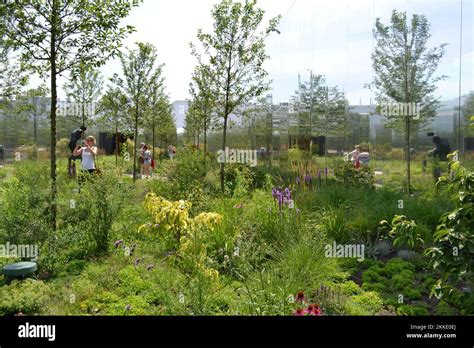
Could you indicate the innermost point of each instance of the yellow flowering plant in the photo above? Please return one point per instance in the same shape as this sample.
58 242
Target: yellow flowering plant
181 232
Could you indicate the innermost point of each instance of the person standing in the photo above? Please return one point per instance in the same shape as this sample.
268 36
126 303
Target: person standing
147 158
364 157
88 151
141 159
354 156
171 151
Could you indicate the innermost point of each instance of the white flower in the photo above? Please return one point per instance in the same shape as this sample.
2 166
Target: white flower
236 252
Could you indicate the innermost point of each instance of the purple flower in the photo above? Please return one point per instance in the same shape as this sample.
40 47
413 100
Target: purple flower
117 243
298 180
274 193
308 179
280 198
288 193
157 225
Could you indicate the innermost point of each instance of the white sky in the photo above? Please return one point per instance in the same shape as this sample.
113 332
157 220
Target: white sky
332 38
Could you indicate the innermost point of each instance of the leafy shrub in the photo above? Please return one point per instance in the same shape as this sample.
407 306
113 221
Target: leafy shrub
396 266
180 232
412 310
443 308
84 228
187 174
453 252
26 296
25 206
404 232
366 303
347 174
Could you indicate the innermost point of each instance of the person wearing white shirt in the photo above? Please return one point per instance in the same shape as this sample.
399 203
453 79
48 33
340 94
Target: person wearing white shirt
88 152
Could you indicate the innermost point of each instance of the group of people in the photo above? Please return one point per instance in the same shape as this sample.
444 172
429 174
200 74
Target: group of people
86 151
360 156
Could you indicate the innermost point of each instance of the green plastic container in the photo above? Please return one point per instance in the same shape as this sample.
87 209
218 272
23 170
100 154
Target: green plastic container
19 269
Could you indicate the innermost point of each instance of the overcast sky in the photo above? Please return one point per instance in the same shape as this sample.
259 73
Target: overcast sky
332 38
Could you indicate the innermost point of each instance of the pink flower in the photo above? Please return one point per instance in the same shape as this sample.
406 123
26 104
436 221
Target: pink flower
300 297
313 310
299 312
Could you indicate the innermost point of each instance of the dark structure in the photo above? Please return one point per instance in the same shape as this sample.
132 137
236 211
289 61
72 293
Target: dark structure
318 145
108 142
76 135
469 143
2 154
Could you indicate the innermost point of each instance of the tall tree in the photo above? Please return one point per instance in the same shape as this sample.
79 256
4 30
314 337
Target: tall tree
235 54
38 100
56 36
404 69
158 116
141 75
12 79
202 103
84 88
113 110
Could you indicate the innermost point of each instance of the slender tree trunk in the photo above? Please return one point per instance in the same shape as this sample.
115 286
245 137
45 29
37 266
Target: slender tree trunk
35 126
116 144
205 138
407 117
83 109
54 100
153 139
135 144
224 138
407 153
